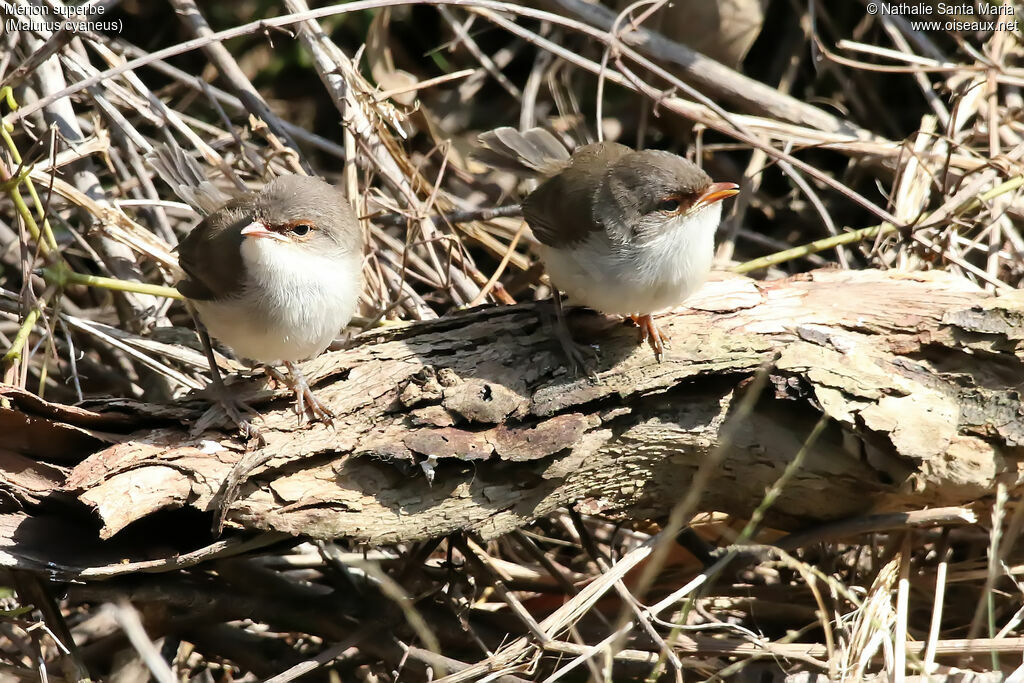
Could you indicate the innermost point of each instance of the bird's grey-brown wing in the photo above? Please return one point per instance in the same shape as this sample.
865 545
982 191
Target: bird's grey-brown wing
211 254
560 210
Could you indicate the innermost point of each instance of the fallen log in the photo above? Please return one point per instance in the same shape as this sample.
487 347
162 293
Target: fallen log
471 422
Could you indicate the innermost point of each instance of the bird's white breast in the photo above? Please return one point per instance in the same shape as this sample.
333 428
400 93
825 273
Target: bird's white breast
638 279
292 305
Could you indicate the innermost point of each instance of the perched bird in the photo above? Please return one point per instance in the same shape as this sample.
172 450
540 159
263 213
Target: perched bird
274 274
621 231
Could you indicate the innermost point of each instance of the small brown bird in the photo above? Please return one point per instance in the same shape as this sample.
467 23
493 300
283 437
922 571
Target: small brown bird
275 274
621 231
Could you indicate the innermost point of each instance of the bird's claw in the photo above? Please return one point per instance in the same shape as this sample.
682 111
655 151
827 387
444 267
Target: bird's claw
650 333
227 405
306 402
578 355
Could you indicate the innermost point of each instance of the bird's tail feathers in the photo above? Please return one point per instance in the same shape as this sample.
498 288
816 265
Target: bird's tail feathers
535 152
186 178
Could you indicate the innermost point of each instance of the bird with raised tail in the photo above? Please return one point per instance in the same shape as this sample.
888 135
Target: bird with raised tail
621 231
275 274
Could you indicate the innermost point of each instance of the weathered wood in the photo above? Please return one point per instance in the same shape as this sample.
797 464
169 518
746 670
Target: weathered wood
471 423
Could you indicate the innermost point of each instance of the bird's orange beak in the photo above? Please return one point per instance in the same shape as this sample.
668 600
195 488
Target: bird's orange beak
258 229
716 192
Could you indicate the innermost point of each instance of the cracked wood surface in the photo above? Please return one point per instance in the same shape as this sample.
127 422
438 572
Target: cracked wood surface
471 423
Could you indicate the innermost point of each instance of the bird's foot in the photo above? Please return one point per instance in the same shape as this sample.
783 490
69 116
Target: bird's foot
225 404
650 333
306 402
579 356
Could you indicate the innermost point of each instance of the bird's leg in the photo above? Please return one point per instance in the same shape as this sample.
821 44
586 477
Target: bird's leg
275 378
575 352
650 333
305 398
223 398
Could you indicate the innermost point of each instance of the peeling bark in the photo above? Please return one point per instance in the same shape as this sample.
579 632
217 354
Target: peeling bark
471 423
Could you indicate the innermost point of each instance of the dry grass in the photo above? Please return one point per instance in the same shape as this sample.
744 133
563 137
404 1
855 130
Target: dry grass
911 160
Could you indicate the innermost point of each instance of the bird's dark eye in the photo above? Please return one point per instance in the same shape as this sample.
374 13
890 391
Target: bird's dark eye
669 205
301 229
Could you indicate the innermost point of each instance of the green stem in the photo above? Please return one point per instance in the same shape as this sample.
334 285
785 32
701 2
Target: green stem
14 353
31 318
63 277
58 277
1002 188
814 247
870 232
48 243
